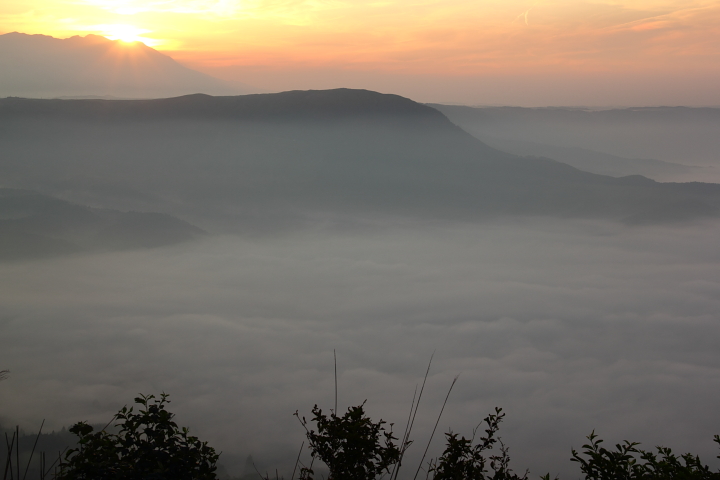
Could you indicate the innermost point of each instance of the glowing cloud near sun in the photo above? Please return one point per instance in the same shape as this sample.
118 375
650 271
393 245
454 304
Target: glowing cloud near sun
203 7
126 33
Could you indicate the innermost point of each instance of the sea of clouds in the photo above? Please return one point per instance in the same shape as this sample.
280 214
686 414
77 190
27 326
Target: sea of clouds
569 326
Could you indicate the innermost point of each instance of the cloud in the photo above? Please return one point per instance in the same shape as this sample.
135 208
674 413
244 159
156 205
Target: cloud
194 7
568 326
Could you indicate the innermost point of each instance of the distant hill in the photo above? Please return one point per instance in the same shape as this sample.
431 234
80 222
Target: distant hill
660 142
598 162
41 66
34 225
280 159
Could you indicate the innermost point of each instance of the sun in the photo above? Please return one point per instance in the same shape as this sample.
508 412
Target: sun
125 33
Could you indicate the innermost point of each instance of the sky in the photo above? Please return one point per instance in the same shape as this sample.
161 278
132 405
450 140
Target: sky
459 51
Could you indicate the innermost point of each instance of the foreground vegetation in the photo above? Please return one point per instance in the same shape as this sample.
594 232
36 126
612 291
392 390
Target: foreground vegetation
149 445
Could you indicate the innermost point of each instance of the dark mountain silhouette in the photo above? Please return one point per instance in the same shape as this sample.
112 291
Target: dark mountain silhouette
42 66
34 225
313 105
282 158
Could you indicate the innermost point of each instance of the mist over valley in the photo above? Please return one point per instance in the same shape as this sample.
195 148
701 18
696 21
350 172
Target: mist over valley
669 144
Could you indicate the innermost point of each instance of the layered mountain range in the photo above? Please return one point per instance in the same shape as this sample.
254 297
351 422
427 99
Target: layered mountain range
283 159
663 143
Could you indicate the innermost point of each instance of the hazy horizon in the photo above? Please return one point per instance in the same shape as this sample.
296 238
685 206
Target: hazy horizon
542 89
627 53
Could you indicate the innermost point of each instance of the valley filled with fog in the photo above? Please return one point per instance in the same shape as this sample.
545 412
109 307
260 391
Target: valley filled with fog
569 326
220 249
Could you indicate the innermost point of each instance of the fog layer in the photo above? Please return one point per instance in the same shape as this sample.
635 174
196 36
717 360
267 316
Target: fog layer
670 144
569 326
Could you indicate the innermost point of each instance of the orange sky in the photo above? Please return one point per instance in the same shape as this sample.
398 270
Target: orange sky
400 38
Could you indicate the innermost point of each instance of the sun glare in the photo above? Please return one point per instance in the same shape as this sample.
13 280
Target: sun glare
127 34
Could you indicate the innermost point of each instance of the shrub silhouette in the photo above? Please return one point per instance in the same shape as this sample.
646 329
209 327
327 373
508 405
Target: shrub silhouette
352 446
355 448
148 446
462 460
623 463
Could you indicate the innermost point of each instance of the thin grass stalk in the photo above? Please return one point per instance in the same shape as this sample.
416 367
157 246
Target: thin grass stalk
32 452
108 424
435 427
412 422
335 359
407 423
417 405
297 461
397 466
54 465
267 475
8 462
17 451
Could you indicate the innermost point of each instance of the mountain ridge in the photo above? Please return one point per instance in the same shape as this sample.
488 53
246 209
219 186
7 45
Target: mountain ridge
45 66
259 159
316 104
